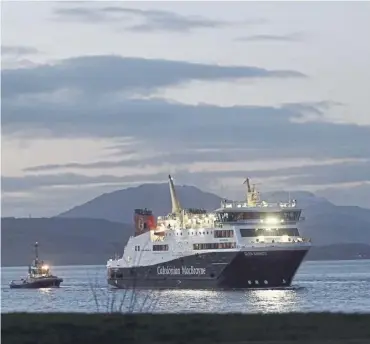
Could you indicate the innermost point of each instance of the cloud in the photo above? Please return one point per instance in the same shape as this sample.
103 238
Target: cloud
106 74
82 97
293 37
182 132
67 180
317 175
150 20
50 201
92 97
313 175
188 157
18 50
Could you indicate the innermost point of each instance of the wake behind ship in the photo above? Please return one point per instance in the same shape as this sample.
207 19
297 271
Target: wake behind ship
247 244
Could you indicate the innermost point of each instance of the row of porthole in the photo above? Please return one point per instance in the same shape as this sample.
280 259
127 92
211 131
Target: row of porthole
273 241
191 233
265 281
203 233
257 282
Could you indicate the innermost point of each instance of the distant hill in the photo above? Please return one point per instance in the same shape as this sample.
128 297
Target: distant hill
119 205
339 252
62 241
331 224
325 223
305 199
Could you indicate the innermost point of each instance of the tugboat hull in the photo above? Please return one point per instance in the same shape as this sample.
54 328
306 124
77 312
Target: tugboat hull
226 270
39 276
37 284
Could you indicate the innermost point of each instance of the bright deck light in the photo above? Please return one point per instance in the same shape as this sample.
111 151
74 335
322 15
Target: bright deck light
285 238
271 220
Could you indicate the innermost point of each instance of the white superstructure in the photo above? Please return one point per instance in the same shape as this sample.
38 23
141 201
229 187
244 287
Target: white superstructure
251 225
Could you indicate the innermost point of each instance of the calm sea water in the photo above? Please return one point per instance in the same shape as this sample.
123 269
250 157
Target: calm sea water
340 286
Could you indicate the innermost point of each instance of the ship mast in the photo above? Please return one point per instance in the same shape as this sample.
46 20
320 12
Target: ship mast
176 208
36 252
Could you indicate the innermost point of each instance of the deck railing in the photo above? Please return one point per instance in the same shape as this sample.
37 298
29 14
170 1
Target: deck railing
263 204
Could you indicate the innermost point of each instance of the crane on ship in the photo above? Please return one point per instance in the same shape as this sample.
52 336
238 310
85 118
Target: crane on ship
252 193
176 207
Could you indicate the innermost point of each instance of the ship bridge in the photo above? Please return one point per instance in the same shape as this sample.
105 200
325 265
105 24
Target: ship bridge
255 210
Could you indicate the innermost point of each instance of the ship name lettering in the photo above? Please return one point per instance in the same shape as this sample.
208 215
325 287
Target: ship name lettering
193 271
255 253
184 270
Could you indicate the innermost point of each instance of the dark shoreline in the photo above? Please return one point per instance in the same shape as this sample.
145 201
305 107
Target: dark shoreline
92 241
58 328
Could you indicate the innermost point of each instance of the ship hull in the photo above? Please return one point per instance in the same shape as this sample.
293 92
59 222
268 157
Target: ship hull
37 283
215 270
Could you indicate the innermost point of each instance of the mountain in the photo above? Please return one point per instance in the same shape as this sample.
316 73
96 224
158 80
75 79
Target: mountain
325 222
62 241
330 224
118 206
347 196
305 199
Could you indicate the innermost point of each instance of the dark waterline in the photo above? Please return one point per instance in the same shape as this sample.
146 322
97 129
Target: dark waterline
335 286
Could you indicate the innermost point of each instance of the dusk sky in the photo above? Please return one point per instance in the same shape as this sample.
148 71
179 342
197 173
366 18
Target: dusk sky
98 96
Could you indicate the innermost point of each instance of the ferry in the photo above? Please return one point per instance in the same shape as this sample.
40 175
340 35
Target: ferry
241 245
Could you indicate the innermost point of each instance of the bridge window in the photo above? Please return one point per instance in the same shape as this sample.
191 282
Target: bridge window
286 215
251 232
160 247
288 231
224 233
215 246
291 215
248 232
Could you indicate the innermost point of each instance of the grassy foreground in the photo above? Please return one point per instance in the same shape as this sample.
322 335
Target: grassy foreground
75 328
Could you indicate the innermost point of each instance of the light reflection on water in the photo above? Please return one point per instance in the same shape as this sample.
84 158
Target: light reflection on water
318 286
274 300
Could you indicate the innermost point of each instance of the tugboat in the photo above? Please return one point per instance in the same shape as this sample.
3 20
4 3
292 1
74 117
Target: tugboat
39 276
